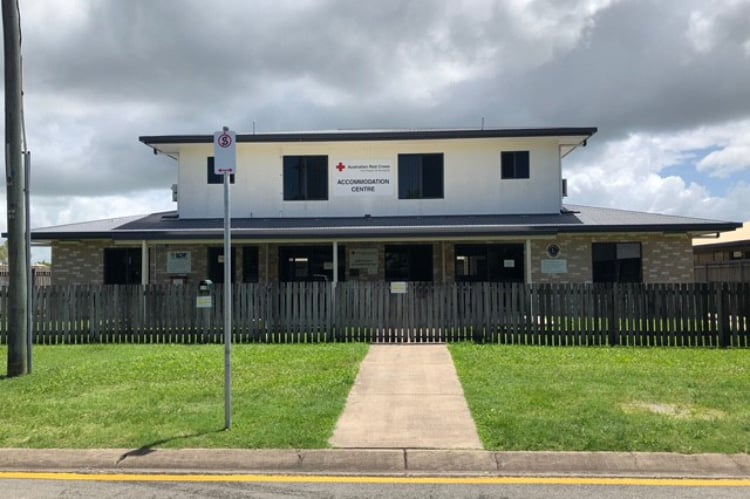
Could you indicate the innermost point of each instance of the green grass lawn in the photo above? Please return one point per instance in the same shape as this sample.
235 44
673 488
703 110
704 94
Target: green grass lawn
289 396
132 396
607 399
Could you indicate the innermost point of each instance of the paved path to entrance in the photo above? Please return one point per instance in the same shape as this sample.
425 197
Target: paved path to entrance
406 396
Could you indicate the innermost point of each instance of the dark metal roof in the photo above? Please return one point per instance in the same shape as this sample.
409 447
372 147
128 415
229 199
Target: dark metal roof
376 135
572 219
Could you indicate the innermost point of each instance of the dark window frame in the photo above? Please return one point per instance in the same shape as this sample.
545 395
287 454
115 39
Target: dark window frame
122 265
213 178
312 259
608 265
415 260
216 268
515 165
250 264
309 185
490 262
413 181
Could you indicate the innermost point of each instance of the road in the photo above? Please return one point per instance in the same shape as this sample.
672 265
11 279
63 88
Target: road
241 486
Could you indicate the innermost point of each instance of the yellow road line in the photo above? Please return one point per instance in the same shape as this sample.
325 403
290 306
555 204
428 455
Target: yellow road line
397 480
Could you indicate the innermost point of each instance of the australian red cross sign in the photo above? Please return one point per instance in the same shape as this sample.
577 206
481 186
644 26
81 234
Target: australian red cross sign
225 152
363 178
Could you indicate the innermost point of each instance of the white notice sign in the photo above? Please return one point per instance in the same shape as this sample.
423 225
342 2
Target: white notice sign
363 178
365 259
178 262
555 266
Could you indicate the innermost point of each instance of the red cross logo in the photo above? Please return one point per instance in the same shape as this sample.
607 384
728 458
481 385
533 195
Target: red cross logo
340 167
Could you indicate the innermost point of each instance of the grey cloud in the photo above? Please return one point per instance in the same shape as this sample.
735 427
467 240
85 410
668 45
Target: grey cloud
142 67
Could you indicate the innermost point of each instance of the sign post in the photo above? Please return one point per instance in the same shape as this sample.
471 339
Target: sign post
225 163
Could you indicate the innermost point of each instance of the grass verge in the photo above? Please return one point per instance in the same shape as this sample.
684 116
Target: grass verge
607 399
172 396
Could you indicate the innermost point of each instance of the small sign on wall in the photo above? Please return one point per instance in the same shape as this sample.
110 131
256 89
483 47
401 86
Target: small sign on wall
398 287
554 266
204 302
178 262
365 259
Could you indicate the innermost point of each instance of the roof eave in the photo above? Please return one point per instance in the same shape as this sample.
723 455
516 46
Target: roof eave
385 135
384 232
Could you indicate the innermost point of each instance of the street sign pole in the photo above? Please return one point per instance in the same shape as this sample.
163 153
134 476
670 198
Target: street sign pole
225 163
227 306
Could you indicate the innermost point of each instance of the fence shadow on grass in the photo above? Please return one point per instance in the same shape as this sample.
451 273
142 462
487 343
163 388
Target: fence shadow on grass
148 448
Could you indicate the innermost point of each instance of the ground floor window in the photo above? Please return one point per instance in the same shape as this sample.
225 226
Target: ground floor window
309 263
489 262
216 264
250 268
122 266
408 262
616 262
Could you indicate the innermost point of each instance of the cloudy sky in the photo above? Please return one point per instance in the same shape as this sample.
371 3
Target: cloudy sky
667 82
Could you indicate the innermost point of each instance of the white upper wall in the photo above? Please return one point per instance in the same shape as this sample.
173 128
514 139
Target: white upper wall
472 179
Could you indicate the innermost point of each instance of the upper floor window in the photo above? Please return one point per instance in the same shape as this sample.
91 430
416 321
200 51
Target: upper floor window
305 178
213 178
420 176
514 164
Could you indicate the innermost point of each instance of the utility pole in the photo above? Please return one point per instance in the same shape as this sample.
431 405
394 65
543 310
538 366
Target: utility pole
15 181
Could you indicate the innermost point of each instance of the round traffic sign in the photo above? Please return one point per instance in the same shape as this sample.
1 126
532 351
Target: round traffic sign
224 140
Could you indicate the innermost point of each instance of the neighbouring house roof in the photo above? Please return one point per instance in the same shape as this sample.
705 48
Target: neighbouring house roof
572 219
741 236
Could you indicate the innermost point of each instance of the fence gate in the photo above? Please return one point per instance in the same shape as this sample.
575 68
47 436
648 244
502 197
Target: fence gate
385 312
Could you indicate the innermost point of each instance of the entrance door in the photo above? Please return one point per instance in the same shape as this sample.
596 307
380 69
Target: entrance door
489 262
216 264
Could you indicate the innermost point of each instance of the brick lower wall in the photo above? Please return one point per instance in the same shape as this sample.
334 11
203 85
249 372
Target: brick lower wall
665 259
78 262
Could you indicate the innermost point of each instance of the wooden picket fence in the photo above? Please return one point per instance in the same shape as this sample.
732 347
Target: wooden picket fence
700 314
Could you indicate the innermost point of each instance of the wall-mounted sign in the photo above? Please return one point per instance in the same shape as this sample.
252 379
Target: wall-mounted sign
398 287
363 178
365 259
554 266
178 262
509 264
204 302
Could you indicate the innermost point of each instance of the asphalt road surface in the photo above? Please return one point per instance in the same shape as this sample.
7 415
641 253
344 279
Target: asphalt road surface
191 487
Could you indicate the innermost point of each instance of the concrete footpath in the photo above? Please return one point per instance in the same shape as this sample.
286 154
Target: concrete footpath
392 462
406 396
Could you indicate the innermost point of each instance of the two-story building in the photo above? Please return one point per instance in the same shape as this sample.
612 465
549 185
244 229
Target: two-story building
409 205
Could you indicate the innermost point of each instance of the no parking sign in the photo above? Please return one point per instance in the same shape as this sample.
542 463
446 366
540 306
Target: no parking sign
225 152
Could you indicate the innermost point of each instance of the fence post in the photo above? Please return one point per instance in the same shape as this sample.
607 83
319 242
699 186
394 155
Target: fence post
612 316
725 333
